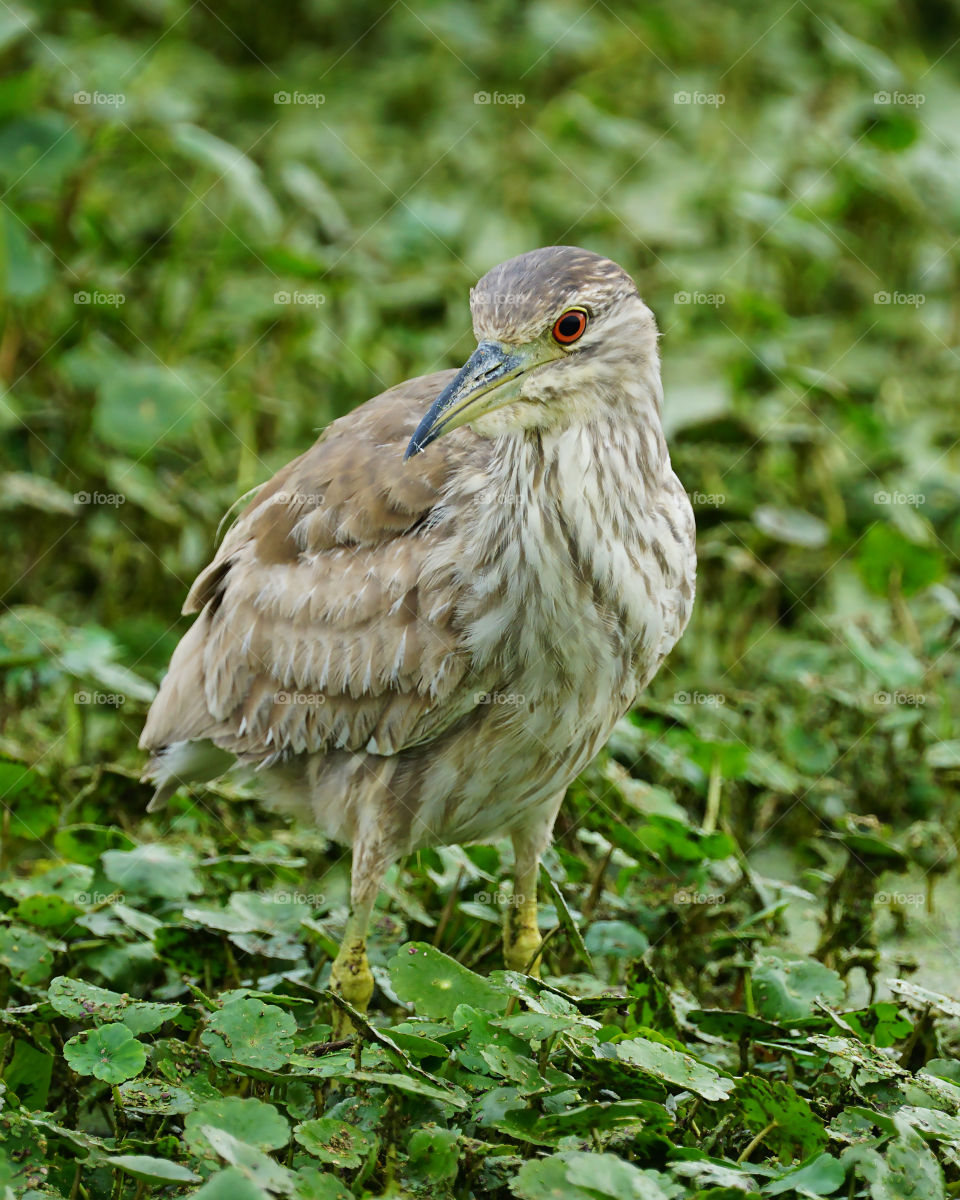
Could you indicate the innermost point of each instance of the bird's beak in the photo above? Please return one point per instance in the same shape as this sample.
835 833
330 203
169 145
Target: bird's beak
477 388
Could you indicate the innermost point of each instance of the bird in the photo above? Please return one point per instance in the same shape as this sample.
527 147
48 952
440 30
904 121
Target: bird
422 629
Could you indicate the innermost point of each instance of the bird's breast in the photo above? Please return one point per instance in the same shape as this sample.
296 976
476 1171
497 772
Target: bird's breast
585 577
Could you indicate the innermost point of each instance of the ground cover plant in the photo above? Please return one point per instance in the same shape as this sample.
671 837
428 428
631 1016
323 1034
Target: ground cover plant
220 228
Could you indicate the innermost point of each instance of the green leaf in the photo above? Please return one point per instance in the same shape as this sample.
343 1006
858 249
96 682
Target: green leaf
793 1129
76 999
152 870
570 926
785 988
259 1168
47 912
314 1184
618 939
229 165
155 1098
25 265
85 843
250 1032
25 955
141 406
886 558
231 1184
671 1067
433 1155
334 1141
28 1074
904 1170
580 1176
247 1119
110 1053
792 525
153 1170
435 984
820 1177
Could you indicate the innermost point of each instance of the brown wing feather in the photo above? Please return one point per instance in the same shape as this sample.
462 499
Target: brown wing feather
320 627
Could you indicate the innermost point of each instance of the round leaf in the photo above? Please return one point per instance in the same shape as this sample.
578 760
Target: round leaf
110 1053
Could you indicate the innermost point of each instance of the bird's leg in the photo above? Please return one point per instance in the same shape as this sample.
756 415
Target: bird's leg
521 934
350 974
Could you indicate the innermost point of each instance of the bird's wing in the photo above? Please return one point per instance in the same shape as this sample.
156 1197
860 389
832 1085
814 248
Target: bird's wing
328 616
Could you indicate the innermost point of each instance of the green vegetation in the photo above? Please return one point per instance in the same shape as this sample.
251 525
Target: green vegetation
749 969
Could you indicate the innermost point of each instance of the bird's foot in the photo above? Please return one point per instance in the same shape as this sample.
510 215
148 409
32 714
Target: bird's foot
350 977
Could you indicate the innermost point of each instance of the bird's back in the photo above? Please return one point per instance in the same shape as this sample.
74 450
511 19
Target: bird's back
321 625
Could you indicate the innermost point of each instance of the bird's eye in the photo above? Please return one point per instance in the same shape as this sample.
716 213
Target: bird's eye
570 326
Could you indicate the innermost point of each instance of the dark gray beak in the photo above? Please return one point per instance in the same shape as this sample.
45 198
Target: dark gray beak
489 366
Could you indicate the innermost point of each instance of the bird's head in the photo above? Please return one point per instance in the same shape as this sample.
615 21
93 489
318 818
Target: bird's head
561 334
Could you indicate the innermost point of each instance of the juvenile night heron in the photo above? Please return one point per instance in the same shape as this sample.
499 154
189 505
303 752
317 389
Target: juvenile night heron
425 626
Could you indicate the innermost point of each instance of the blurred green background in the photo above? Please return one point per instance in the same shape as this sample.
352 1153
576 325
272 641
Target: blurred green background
222 226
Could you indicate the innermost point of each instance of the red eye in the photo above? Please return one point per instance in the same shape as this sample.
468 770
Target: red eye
570 326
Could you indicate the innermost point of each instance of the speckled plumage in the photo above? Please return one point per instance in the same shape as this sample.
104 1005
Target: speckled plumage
424 652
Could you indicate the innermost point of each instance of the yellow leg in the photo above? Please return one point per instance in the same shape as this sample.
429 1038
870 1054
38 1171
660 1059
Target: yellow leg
521 935
350 974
